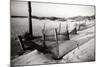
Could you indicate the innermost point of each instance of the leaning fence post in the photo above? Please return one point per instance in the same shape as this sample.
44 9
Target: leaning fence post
79 26
30 18
21 42
43 36
67 33
75 30
57 43
59 28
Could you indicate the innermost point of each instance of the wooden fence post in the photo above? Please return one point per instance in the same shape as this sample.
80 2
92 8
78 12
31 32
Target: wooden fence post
79 26
30 18
75 30
43 36
57 43
59 28
67 33
21 43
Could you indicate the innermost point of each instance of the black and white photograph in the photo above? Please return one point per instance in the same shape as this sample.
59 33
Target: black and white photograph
51 33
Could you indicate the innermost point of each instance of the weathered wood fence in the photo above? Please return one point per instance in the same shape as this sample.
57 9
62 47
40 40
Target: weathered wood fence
44 36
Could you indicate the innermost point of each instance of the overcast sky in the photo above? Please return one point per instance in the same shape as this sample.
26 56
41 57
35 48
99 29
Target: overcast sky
48 9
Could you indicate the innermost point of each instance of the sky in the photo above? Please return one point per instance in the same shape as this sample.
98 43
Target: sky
48 9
